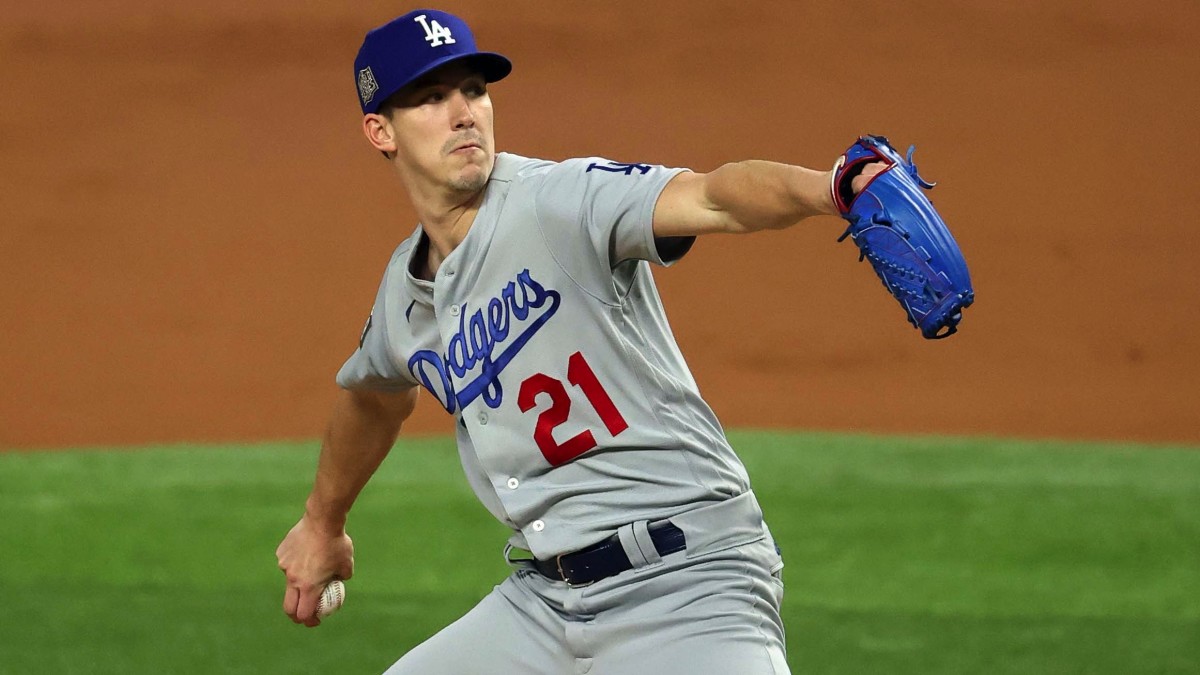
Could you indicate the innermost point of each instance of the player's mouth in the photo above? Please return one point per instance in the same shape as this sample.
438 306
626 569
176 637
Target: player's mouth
466 148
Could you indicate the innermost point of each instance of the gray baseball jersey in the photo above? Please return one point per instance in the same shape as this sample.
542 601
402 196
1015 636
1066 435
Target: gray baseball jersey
544 335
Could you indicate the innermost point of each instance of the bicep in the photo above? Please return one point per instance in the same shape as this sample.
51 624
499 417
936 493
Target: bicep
398 406
380 407
684 209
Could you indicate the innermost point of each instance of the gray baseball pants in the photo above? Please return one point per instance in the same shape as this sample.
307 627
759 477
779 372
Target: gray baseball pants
712 609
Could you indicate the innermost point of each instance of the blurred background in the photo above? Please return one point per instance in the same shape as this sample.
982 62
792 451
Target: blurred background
192 227
192 230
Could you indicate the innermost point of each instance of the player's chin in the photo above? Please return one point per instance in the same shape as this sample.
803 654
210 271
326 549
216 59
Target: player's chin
471 178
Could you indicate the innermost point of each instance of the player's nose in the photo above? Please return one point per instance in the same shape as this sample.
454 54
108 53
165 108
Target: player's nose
461 114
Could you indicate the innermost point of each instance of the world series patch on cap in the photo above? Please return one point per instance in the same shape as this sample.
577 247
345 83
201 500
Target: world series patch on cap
403 49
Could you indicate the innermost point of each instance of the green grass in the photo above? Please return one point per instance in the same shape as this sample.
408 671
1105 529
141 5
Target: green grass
903 556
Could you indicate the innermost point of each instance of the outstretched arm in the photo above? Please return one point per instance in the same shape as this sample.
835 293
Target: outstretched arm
362 429
746 197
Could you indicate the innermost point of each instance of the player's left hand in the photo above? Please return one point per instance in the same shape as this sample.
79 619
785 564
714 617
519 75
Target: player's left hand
310 557
896 228
869 171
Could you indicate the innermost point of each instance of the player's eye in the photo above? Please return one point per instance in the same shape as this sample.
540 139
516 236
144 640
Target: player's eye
476 89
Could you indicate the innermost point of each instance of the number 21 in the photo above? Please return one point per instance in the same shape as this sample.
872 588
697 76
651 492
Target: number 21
580 374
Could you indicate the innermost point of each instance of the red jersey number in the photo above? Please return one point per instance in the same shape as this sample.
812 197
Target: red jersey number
579 374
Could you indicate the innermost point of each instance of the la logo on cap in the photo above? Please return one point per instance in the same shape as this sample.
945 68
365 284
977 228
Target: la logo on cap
435 34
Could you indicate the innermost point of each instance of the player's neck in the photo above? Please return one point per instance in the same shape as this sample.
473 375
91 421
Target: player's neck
446 223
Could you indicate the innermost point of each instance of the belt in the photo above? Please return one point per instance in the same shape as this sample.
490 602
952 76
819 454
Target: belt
602 560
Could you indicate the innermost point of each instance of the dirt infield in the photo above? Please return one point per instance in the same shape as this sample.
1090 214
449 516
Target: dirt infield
193 228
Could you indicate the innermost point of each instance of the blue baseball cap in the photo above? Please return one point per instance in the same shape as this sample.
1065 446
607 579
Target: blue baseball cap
406 48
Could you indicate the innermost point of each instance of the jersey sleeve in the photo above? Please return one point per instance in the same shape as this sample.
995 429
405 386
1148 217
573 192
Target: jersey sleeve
371 366
613 204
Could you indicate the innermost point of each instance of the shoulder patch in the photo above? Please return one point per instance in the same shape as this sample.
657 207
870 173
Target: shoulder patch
619 167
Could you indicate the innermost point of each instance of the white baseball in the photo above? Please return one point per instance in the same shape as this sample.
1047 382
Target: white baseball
331 598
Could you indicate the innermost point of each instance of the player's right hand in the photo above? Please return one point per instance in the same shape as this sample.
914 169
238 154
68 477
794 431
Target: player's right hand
310 558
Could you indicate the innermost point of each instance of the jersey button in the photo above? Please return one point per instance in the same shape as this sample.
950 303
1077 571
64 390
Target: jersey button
453 310
538 526
483 419
513 483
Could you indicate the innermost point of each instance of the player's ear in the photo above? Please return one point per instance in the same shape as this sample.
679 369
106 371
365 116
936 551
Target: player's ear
380 132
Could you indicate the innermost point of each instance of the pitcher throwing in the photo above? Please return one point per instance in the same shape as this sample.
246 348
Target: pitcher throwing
523 303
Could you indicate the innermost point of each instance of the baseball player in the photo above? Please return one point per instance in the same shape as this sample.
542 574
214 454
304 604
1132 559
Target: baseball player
523 303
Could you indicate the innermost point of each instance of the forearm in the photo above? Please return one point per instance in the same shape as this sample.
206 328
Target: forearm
758 195
361 432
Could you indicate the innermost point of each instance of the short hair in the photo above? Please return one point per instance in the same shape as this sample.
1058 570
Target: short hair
389 105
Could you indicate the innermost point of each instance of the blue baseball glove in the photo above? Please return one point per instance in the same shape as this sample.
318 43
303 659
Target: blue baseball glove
897 229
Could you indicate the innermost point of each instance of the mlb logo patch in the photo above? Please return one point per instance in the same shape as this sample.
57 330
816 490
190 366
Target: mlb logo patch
367 86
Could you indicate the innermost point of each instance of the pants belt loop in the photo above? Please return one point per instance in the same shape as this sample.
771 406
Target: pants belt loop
635 539
641 534
516 563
